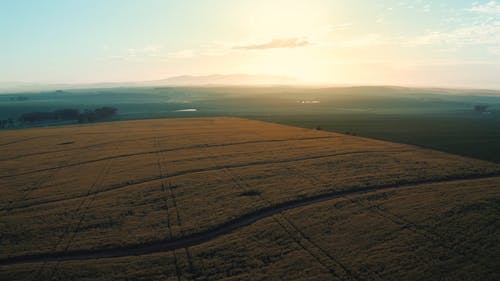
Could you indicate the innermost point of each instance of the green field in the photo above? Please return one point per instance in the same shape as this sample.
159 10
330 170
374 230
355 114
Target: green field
472 137
434 118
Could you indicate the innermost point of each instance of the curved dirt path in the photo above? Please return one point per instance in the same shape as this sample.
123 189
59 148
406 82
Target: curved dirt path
210 234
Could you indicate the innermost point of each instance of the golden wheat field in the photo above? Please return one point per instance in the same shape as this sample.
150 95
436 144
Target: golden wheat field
216 198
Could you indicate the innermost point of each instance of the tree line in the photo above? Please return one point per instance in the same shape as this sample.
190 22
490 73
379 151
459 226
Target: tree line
67 114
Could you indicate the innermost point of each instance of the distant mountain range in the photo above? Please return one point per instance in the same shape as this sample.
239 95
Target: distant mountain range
233 79
217 80
184 80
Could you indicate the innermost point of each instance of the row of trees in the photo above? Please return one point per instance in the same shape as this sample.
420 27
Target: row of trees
69 114
97 114
7 123
481 107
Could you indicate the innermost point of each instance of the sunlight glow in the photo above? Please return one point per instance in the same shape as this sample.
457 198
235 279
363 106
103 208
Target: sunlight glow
450 43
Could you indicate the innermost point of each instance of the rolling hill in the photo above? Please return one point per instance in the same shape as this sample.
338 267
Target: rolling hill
216 198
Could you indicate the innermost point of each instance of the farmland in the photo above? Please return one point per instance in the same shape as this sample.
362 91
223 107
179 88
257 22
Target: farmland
324 204
440 119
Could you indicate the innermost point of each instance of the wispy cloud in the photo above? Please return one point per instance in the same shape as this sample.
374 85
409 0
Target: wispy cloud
477 26
341 27
275 44
491 7
494 51
149 50
474 34
136 54
368 40
182 54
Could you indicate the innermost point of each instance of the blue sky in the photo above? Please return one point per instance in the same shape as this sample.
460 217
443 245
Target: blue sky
421 42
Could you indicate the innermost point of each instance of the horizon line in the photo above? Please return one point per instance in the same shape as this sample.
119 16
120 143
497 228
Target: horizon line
24 86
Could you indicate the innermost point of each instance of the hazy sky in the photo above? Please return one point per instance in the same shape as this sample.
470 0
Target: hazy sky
401 42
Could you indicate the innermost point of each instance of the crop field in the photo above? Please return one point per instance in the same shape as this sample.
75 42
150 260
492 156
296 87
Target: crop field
439 119
470 136
215 198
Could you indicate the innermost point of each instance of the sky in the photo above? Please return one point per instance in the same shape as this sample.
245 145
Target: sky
454 43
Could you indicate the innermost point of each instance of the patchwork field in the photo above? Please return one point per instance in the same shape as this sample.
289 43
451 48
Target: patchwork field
225 197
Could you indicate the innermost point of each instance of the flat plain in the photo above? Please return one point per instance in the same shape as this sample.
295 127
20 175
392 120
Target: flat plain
269 202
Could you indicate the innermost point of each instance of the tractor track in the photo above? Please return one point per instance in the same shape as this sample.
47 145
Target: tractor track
125 155
131 140
201 170
217 231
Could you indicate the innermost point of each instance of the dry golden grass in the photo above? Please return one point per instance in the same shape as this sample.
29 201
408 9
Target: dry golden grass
443 231
125 183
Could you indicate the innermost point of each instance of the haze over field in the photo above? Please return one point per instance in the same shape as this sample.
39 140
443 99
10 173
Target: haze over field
388 42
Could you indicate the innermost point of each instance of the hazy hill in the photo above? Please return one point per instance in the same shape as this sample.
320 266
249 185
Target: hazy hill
184 80
232 79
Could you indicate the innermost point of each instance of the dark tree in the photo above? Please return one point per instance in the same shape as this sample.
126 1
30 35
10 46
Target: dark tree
36 117
70 114
67 114
105 112
97 114
480 108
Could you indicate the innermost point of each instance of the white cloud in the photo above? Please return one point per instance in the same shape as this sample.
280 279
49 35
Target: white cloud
150 49
372 39
494 51
340 27
275 44
474 34
491 7
182 54
136 54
